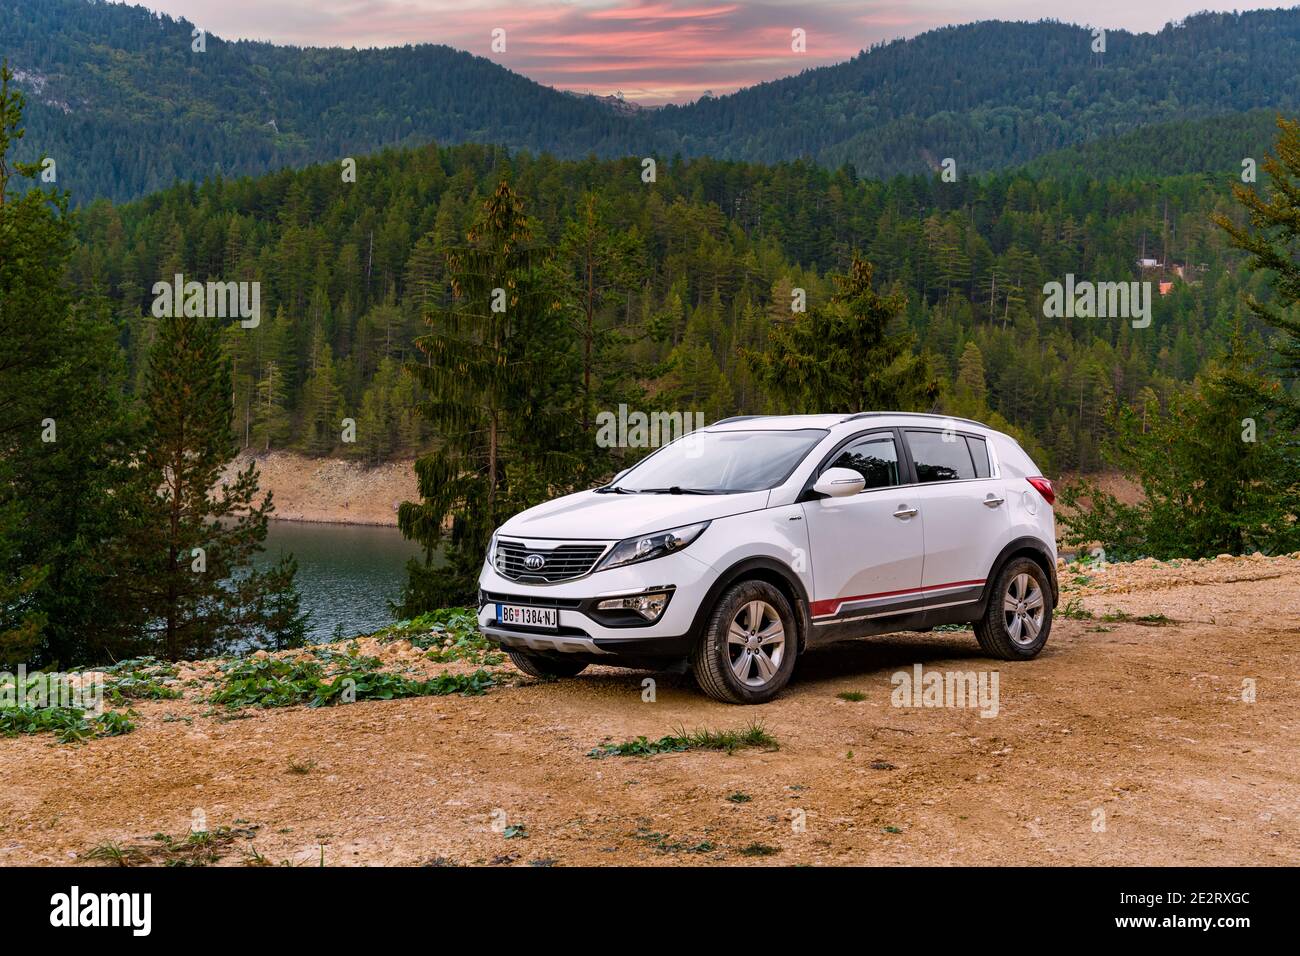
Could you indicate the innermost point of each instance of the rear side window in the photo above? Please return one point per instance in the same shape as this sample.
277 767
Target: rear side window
979 453
940 460
875 458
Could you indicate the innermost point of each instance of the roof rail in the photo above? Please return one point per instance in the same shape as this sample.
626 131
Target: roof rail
737 418
946 418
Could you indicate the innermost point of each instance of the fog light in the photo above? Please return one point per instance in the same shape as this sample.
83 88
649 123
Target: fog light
649 606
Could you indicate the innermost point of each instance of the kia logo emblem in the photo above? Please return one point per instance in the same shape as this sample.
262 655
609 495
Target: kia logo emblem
534 562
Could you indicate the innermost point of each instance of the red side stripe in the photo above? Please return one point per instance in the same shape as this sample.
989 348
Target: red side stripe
823 608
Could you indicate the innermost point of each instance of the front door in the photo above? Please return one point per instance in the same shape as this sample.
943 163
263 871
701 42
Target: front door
867 550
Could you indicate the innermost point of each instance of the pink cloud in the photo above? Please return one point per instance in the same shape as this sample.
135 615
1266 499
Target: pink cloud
655 51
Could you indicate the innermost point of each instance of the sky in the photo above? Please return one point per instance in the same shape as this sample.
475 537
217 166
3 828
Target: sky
650 51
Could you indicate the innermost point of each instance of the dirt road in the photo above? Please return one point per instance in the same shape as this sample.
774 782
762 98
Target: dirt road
1132 740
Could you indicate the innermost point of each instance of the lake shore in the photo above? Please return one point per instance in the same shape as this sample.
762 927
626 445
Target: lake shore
339 491
331 490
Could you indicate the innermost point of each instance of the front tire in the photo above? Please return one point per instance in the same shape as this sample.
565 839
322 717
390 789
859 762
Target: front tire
747 652
1018 618
545 668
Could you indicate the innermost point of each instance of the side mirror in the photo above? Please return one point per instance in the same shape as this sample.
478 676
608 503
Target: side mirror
840 482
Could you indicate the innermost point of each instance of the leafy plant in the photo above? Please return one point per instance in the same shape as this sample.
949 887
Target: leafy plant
284 682
69 724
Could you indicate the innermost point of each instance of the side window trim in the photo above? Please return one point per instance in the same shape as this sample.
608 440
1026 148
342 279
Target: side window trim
994 470
898 456
906 465
906 473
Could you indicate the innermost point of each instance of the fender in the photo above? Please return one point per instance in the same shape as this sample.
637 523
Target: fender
766 568
1029 546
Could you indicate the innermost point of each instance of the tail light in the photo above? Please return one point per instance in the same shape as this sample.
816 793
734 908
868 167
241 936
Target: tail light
1045 489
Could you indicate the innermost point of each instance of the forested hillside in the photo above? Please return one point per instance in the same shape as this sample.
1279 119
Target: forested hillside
993 94
711 253
119 99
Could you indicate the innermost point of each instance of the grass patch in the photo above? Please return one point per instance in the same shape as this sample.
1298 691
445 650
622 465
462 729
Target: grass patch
1074 611
446 635
759 849
331 678
194 849
739 797
301 767
852 696
755 735
663 843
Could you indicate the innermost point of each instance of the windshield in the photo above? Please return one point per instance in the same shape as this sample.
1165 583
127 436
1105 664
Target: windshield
718 463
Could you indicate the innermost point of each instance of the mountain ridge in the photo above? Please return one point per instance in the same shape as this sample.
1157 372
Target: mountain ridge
119 99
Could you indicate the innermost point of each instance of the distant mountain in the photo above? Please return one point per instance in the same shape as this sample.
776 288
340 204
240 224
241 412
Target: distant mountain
117 96
119 99
994 94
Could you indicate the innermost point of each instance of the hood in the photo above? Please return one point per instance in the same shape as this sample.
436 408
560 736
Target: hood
612 517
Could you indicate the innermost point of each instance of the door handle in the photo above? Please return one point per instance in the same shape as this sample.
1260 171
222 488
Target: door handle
904 512
993 501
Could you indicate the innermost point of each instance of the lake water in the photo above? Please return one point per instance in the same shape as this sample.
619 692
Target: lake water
347 574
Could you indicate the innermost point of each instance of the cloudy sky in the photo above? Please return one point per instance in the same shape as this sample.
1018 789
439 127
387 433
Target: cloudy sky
652 51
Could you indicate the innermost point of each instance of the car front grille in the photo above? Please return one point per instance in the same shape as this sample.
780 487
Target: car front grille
564 563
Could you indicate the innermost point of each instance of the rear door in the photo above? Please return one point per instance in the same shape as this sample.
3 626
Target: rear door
965 512
867 550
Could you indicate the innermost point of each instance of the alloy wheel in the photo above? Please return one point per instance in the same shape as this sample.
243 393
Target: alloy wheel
1023 609
756 643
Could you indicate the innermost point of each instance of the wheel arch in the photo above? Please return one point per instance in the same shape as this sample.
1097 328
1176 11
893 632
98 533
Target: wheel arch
1023 547
774 572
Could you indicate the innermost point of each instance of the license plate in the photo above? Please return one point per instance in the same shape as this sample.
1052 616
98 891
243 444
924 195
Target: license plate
547 617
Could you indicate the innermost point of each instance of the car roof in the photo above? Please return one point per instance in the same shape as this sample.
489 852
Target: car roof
792 422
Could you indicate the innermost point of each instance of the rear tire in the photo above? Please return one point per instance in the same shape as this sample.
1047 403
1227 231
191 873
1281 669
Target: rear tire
747 652
545 668
1018 618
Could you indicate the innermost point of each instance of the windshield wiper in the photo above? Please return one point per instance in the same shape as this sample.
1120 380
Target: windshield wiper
678 490
611 490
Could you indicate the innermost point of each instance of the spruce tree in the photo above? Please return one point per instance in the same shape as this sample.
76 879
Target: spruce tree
498 372
1212 481
848 355
64 432
1273 241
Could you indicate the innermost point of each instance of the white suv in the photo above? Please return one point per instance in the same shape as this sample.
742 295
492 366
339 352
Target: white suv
736 548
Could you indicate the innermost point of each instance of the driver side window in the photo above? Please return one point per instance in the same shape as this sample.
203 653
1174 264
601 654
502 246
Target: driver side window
874 457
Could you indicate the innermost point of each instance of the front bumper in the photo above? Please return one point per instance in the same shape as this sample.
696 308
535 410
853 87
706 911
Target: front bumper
580 632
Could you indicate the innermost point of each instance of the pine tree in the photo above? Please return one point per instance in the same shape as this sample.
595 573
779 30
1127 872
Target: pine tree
185 561
322 400
847 355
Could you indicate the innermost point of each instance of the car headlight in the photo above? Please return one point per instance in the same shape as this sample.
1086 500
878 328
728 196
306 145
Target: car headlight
646 547
492 551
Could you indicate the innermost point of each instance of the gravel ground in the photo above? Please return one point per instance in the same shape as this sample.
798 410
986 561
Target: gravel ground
1133 739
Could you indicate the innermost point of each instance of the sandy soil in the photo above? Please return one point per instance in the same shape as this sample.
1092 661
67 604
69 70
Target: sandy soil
1127 742
332 489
